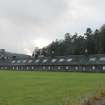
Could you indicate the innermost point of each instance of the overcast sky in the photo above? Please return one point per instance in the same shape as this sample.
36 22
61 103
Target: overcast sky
25 24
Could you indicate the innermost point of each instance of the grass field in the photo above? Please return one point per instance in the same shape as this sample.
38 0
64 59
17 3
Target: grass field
48 88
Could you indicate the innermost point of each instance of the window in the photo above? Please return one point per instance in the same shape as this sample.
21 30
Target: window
5 67
5 57
102 59
76 68
13 57
103 67
45 60
13 68
59 67
27 67
49 68
18 61
67 67
53 60
61 60
93 67
24 61
37 61
83 68
69 60
13 61
21 67
43 67
32 67
92 59
17 68
30 61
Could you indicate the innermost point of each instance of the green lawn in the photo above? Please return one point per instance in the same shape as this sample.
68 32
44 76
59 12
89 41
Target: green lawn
48 88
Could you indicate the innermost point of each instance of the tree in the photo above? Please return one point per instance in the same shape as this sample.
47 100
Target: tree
97 41
36 52
93 42
90 42
102 39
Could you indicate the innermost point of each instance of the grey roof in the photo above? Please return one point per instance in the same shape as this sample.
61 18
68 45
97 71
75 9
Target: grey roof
57 60
4 53
63 60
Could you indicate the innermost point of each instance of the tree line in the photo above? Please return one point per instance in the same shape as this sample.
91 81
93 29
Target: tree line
91 42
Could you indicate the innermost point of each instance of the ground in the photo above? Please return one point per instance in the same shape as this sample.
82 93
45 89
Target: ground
48 88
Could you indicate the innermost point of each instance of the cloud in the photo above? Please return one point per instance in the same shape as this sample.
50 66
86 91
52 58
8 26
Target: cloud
41 21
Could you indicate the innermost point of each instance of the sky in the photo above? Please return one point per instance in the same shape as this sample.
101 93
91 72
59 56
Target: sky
26 24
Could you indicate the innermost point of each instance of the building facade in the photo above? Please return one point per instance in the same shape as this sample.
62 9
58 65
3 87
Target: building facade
73 63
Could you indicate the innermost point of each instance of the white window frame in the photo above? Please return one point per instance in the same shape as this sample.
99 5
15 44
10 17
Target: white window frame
24 61
61 60
53 60
67 67
45 60
37 60
102 59
69 60
30 61
59 67
14 61
92 59
93 67
18 61
76 68
32 67
103 67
